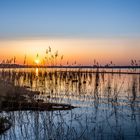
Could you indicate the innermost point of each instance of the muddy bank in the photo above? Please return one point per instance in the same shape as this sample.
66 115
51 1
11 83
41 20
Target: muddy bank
14 98
6 88
35 106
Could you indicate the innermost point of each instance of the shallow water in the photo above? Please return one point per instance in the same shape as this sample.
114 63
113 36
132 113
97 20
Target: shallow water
108 105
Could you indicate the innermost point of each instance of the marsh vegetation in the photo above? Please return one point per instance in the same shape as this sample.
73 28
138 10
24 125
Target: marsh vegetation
107 105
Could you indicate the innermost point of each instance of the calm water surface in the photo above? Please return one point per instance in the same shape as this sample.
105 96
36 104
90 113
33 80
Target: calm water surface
108 105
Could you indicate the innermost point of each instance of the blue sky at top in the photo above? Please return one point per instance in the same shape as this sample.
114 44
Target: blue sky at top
69 18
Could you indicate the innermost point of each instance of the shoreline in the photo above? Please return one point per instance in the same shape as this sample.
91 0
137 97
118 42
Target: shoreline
72 66
13 98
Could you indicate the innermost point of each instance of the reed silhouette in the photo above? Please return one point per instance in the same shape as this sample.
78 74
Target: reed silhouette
106 100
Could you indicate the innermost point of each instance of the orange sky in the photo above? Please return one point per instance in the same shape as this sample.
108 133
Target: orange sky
84 51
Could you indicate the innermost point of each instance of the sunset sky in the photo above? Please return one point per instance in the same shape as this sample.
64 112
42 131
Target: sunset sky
81 30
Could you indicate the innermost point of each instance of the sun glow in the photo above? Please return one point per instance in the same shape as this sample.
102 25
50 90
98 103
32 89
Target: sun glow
37 60
83 51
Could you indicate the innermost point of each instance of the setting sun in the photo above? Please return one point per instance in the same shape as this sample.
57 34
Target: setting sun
37 60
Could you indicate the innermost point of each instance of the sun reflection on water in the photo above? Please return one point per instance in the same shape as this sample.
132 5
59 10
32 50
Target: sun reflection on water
36 72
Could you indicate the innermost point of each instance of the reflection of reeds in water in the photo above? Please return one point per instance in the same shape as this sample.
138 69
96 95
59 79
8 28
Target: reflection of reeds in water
108 100
61 85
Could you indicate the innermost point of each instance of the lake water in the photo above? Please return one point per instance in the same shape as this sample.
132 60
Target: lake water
107 105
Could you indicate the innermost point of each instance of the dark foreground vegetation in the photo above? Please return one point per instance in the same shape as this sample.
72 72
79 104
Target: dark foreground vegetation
5 124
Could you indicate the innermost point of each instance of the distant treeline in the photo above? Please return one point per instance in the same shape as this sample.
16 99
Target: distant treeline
65 66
